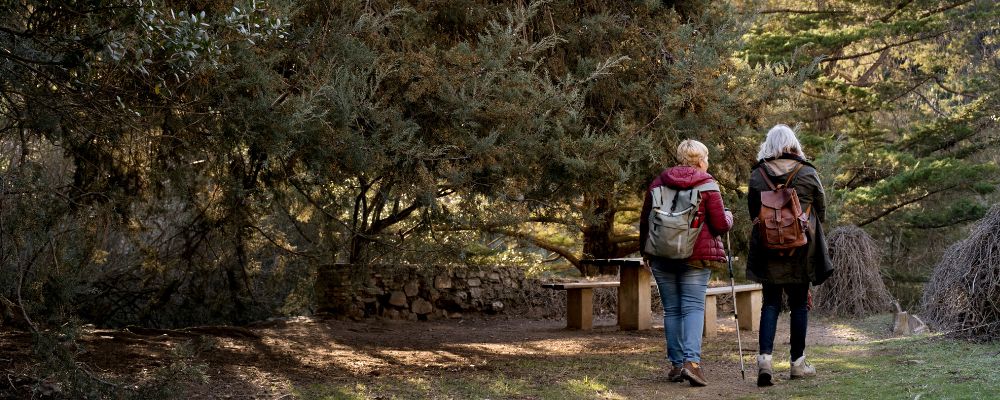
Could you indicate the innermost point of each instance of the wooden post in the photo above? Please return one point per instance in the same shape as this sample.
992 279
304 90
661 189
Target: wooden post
710 316
748 308
634 312
580 308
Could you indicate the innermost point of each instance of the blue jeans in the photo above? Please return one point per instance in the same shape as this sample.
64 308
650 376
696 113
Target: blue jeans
798 295
682 291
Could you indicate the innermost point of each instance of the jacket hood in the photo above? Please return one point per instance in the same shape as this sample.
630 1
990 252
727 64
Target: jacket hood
782 165
681 177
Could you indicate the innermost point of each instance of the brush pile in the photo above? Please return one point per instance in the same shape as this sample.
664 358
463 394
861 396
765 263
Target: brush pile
963 295
856 288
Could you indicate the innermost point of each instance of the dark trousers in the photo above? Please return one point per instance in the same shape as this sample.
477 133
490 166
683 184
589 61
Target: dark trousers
798 294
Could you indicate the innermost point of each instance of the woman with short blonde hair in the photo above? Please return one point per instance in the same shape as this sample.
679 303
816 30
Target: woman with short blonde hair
682 282
692 153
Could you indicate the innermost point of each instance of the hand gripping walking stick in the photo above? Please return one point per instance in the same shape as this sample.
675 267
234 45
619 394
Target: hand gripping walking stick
736 314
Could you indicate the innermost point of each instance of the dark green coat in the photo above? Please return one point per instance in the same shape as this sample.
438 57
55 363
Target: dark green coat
811 263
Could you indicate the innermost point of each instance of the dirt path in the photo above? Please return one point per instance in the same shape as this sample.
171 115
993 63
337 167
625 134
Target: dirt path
301 352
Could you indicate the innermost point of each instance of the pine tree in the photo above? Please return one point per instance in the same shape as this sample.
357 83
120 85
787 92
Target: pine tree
536 122
900 113
143 133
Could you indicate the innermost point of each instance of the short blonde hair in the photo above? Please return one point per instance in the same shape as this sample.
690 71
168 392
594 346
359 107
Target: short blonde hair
780 139
692 152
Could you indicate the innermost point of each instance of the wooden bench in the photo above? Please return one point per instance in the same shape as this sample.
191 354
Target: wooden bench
580 304
748 302
580 301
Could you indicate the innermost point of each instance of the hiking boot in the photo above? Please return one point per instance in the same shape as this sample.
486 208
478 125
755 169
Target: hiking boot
692 372
764 370
802 369
675 374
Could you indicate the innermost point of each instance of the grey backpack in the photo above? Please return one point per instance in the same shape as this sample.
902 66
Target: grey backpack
673 228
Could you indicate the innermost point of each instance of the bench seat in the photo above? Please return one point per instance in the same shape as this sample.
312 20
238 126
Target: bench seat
580 301
580 285
748 302
580 304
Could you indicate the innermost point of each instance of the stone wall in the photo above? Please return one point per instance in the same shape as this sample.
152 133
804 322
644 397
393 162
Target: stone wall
435 292
431 292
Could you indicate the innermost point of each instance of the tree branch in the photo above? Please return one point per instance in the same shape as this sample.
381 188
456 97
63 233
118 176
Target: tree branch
792 11
319 207
967 218
6 53
899 7
275 243
941 85
542 243
892 209
886 47
852 110
931 105
944 8
820 97
623 239
862 80
627 249
381 224
549 220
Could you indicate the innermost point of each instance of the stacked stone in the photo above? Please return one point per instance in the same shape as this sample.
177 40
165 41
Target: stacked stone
419 293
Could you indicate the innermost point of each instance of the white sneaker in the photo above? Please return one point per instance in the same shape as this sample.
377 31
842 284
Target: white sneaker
764 370
802 369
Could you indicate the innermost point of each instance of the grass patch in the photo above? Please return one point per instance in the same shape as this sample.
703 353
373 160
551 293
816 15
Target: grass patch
877 366
930 366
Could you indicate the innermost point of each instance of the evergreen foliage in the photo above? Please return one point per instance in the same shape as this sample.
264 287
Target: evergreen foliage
132 178
169 163
464 119
900 113
188 163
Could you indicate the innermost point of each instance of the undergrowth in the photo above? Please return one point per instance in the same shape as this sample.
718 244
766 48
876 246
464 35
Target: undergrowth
56 371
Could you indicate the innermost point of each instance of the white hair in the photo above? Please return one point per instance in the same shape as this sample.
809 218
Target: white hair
780 139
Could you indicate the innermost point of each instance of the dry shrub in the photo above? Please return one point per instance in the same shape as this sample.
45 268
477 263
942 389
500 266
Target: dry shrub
856 287
963 295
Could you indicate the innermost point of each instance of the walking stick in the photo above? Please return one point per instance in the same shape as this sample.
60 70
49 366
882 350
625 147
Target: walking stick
736 314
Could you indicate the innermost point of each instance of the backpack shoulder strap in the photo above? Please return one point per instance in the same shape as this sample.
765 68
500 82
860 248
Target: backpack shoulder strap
792 175
711 186
657 195
766 179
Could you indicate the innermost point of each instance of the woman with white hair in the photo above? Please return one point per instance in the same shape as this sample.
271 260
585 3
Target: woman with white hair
781 162
682 282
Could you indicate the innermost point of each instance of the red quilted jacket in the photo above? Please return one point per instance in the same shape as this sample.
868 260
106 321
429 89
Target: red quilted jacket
708 247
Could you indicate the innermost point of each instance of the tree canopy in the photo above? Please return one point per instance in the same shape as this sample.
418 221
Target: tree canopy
900 112
165 157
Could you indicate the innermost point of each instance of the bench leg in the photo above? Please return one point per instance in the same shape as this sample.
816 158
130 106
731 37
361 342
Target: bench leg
634 312
580 308
748 308
710 316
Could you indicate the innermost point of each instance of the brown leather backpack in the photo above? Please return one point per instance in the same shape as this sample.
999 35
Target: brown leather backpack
781 221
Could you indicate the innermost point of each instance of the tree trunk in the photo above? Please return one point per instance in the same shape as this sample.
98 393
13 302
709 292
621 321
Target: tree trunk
597 235
358 252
